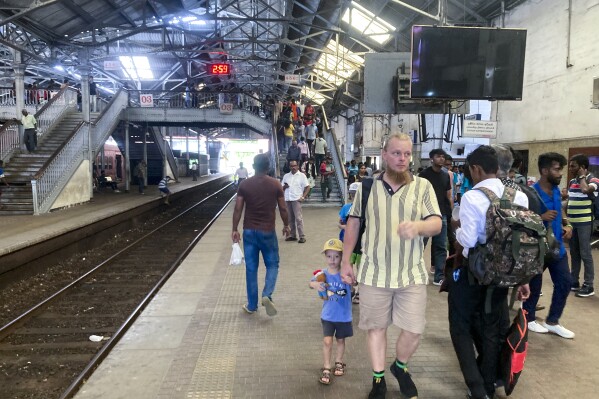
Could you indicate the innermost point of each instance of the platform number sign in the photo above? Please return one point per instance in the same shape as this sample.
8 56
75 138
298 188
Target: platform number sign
226 108
146 100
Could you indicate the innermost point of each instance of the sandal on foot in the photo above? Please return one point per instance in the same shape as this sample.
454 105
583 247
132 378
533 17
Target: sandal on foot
325 376
339 369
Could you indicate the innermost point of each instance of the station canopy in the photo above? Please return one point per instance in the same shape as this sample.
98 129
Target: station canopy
262 47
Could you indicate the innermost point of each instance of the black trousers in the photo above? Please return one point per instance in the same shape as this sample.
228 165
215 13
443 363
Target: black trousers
471 327
30 138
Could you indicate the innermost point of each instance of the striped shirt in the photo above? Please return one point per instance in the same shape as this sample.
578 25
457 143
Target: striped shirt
388 260
580 210
163 182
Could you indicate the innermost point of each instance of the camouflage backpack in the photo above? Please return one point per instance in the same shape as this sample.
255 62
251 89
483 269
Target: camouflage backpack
516 243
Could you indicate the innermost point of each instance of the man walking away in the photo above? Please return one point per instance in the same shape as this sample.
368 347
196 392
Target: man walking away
140 176
296 188
260 195
582 192
30 134
441 183
551 165
467 299
241 174
400 211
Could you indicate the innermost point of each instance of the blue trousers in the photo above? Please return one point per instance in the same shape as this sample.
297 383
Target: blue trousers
254 242
562 283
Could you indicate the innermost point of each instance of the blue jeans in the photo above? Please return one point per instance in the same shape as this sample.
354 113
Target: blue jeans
562 282
580 249
439 250
254 242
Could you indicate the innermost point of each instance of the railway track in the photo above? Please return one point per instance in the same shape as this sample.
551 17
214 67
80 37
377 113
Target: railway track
49 350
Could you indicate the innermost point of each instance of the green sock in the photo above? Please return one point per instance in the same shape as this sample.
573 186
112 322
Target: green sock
378 376
401 365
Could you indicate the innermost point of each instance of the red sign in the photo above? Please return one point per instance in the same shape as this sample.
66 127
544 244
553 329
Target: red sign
219 69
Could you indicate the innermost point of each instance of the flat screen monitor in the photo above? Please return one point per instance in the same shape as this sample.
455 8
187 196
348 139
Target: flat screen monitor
467 63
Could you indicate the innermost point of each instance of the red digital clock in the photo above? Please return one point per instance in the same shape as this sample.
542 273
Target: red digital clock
219 69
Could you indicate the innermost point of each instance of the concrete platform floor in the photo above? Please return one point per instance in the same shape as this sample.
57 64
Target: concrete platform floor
194 341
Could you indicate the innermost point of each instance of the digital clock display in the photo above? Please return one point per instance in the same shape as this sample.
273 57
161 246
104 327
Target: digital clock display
219 69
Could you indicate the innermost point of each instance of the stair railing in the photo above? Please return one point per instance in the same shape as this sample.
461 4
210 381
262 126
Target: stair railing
108 119
53 111
333 147
170 157
10 140
49 181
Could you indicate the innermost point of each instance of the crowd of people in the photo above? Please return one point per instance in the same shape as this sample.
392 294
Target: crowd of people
379 255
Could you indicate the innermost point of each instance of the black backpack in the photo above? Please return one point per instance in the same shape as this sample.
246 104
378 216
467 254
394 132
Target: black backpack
366 187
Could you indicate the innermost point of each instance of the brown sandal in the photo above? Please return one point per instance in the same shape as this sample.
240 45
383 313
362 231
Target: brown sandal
325 376
339 369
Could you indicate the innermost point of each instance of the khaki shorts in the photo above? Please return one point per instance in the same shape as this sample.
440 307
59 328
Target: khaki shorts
405 307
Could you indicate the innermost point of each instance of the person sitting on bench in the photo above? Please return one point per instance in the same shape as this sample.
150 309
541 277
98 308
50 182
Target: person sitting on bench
107 181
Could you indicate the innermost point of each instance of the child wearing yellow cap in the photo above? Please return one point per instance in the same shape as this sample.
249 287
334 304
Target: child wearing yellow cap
336 315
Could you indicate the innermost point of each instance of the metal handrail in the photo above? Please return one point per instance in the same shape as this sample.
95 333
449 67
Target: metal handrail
10 139
53 111
108 119
333 147
50 180
42 170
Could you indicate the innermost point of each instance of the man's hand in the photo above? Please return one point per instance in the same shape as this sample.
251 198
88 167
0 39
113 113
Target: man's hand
582 172
347 273
523 292
567 232
286 231
549 216
408 230
235 236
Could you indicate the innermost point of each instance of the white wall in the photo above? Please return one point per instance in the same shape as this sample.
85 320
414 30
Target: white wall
77 189
556 99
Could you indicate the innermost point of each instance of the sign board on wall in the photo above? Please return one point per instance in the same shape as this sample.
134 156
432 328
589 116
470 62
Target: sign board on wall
146 100
371 152
226 108
484 129
112 65
292 79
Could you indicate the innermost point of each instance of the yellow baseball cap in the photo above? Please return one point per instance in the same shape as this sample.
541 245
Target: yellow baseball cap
334 245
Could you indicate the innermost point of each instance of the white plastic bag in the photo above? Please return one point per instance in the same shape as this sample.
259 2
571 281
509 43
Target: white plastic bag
236 255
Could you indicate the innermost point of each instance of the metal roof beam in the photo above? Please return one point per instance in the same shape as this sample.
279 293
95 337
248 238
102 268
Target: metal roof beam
78 11
418 10
469 11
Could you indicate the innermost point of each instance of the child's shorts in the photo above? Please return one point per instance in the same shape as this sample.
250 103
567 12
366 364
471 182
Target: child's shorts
337 328
165 190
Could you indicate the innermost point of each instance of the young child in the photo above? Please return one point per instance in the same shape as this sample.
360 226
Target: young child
336 313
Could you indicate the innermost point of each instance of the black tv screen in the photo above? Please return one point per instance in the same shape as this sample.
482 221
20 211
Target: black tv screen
467 63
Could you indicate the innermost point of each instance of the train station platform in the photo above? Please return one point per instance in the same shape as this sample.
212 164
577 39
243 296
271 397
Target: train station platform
194 341
21 231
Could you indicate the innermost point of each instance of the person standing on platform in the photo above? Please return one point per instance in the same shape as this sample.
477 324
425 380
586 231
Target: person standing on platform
296 188
140 176
194 171
93 91
582 193
2 179
30 134
400 210
260 195
241 174
441 183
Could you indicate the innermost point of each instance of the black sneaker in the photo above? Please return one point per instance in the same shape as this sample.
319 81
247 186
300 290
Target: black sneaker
379 389
406 385
585 291
575 287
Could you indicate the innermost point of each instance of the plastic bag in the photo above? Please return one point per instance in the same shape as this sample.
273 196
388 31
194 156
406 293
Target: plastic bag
236 255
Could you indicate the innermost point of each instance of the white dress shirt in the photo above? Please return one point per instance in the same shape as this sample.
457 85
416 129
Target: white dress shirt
473 213
297 183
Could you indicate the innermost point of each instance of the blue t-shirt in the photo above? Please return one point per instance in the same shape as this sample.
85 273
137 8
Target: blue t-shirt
337 308
343 215
553 203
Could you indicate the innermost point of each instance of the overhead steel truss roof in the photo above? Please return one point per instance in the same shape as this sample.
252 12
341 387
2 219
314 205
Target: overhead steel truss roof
263 40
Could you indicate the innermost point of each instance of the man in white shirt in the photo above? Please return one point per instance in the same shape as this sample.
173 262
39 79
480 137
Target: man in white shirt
30 135
241 174
296 188
467 298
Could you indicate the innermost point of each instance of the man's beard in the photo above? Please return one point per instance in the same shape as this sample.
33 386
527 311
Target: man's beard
554 180
396 176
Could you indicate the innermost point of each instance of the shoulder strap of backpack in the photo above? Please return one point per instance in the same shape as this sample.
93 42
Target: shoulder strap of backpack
493 199
366 187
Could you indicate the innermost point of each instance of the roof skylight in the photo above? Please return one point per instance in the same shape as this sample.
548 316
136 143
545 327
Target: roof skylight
313 95
137 67
366 22
337 64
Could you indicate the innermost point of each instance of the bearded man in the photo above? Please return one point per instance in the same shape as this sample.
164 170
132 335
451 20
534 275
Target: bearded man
401 210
